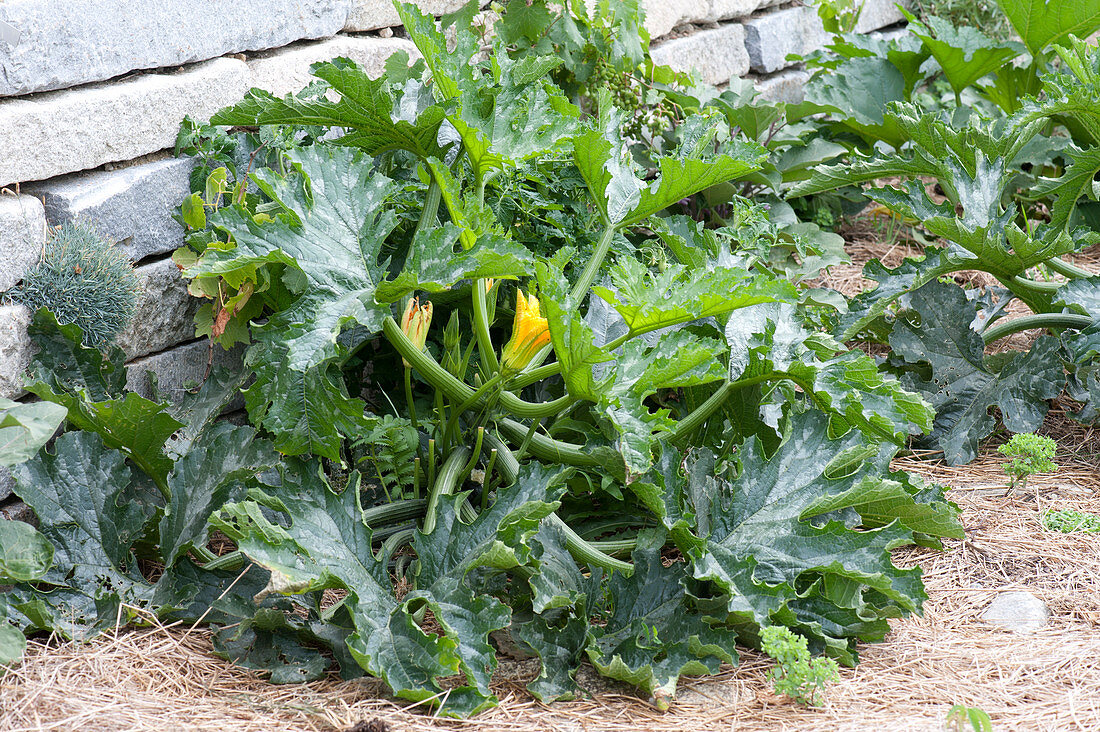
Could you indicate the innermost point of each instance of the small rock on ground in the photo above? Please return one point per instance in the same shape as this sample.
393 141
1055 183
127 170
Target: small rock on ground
1020 612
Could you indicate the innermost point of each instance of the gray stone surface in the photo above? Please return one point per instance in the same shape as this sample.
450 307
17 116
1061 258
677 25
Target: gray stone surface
63 43
1019 611
179 368
786 86
49 134
769 38
729 9
131 206
15 349
22 236
662 16
165 311
879 14
368 15
286 71
715 55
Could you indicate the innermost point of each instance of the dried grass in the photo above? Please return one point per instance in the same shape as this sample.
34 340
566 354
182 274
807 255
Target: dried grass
167 679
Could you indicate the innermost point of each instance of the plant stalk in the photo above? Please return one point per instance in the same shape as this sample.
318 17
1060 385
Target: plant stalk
1004 328
430 213
449 475
485 348
578 548
1068 269
592 268
693 421
409 398
433 373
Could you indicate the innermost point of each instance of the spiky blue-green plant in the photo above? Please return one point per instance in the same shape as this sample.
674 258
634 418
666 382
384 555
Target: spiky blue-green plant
85 279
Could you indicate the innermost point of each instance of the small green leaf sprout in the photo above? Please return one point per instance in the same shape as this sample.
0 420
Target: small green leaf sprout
1031 454
1069 521
796 675
961 718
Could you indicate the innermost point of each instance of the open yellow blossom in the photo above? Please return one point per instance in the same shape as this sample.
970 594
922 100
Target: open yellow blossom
415 322
530 334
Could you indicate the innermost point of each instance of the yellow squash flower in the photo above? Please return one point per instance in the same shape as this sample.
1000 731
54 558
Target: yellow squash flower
530 334
415 322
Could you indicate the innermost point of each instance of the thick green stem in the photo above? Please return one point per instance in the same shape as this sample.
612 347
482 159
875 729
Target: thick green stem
458 392
204 555
481 329
1035 285
393 512
543 372
522 451
585 553
396 541
1039 320
476 397
449 474
547 448
535 410
698 416
580 549
485 479
535 375
430 213
592 268
1036 295
469 466
614 546
230 562
1068 269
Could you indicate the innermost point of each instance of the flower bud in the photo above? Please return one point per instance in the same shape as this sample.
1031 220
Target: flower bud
415 323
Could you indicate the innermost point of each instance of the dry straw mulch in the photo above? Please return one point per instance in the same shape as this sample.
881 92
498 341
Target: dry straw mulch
167 679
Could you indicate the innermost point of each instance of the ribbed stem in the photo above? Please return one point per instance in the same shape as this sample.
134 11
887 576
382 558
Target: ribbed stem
592 268
481 329
1036 285
1068 269
430 212
449 474
388 513
395 542
547 448
697 417
578 548
433 373
614 546
1004 328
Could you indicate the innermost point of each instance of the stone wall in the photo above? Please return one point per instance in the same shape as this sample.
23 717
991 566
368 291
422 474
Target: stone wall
92 93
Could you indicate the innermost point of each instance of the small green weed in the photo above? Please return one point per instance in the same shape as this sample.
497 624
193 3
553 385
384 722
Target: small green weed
797 675
1069 521
1031 454
960 716
984 14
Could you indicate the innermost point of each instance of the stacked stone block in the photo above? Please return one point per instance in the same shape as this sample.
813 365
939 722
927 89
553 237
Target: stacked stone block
92 93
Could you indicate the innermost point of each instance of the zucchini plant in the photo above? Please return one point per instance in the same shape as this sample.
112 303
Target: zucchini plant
636 466
988 222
